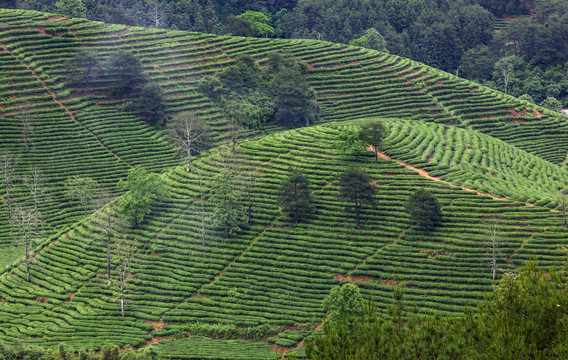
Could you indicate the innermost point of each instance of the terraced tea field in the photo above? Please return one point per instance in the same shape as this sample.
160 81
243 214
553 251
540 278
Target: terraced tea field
481 153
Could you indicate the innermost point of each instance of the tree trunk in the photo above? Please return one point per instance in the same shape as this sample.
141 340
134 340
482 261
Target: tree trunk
357 212
202 223
122 298
27 257
36 217
376 155
108 253
226 229
188 158
563 213
9 205
250 210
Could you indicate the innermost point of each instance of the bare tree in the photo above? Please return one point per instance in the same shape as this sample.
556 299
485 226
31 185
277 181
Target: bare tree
202 201
35 183
112 221
27 117
24 222
157 14
493 253
563 205
190 135
248 181
7 165
83 190
125 253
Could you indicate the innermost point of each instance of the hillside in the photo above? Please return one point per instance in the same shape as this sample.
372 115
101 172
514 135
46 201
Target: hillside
479 151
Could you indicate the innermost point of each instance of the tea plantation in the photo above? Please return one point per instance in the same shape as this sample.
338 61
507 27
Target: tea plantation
481 153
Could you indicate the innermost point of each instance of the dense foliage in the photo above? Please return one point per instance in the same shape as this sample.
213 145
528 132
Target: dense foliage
524 317
252 96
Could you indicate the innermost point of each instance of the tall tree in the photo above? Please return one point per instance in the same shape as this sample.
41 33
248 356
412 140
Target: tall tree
226 199
351 142
248 180
295 195
152 104
143 189
85 67
7 166
189 134
124 255
124 71
35 183
295 100
112 223
28 118
71 8
202 203
424 209
24 221
492 245
82 189
356 189
373 135
506 67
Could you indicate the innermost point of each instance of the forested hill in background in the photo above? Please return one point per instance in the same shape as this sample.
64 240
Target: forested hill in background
467 37
482 154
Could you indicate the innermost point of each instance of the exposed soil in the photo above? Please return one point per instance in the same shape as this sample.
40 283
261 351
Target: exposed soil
353 279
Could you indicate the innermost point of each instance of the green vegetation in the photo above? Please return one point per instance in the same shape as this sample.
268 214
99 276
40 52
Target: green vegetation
295 195
424 209
181 271
523 317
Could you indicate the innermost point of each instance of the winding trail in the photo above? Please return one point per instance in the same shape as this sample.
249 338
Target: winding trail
425 174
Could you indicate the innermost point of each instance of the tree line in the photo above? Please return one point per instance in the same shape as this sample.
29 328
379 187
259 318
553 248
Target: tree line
523 317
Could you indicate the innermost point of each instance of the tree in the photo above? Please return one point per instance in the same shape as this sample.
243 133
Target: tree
125 72
562 197
424 209
226 199
24 221
85 66
258 23
111 222
506 67
351 142
124 255
7 165
202 202
35 183
248 181
526 97
157 14
28 118
143 189
552 104
492 246
372 39
295 195
343 302
295 100
373 135
189 134
71 8
83 190
152 104
355 188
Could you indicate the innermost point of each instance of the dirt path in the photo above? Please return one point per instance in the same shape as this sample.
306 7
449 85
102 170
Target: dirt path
425 174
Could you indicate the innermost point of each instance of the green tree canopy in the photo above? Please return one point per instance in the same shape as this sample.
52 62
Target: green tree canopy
356 189
71 8
259 23
295 195
124 71
424 209
152 104
373 135
343 302
372 39
143 189
82 189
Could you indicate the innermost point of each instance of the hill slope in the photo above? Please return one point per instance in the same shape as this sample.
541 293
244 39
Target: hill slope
457 139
